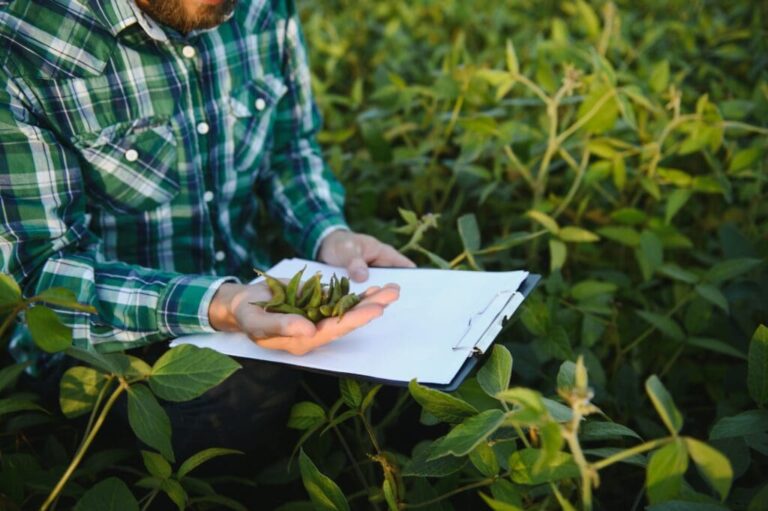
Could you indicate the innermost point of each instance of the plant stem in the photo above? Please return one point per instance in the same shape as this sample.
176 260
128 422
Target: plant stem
150 498
586 470
96 406
629 347
355 466
628 453
84 446
477 484
371 433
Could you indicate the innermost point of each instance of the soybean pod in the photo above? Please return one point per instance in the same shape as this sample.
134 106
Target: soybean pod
293 288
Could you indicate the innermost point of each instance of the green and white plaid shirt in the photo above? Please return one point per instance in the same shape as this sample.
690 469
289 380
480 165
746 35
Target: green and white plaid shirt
133 160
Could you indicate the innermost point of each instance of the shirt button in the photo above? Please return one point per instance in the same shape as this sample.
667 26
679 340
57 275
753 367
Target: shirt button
203 128
260 104
189 52
131 155
220 255
208 196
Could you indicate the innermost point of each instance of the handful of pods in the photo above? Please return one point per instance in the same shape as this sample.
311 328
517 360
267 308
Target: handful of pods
313 300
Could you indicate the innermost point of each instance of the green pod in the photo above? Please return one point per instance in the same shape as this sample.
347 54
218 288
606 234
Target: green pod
277 288
313 313
344 286
325 310
293 288
317 294
344 304
308 290
335 291
286 309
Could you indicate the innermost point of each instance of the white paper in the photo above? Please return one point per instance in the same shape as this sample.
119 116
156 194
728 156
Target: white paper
438 310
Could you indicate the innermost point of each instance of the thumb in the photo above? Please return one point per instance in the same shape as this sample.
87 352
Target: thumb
358 269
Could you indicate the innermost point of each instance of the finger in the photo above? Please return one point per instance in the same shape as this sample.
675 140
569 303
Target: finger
383 296
362 314
358 269
262 325
388 256
328 330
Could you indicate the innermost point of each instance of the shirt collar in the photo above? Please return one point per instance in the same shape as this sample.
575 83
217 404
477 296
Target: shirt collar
117 15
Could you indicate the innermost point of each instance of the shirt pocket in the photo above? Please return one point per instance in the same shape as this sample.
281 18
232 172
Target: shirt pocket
131 167
252 109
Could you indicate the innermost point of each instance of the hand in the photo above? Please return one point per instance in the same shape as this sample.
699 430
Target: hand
231 311
356 252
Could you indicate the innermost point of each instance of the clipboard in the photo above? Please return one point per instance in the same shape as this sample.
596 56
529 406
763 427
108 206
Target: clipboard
419 335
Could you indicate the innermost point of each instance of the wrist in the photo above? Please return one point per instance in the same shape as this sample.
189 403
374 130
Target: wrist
220 312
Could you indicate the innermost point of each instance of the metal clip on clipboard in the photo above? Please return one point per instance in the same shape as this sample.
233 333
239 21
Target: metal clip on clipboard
487 336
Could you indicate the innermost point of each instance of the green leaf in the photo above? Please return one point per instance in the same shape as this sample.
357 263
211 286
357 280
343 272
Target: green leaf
558 344
422 464
599 430
369 397
156 465
467 435
175 492
505 491
78 390
201 457
606 114
495 374
666 468
325 494
544 220
350 392
111 494
9 374
185 372
675 202
666 325
531 407
664 404
747 423
713 466
731 269
713 295
512 63
716 346
659 79
305 415
673 271
558 252
522 465
13 405
443 406
577 235
149 421
498 505
47 330
624 235
589 288
757 369
650 253
566 376
484 459
469 232
588 19
10 293
759 499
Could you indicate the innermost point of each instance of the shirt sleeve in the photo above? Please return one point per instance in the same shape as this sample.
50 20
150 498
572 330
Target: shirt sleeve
45 242
299 188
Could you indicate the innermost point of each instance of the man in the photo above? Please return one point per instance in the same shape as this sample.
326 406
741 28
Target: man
137 142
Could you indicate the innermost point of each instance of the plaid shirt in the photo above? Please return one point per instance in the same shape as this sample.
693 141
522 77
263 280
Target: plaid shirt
133 160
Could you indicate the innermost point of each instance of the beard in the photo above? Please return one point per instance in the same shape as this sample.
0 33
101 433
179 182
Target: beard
177 15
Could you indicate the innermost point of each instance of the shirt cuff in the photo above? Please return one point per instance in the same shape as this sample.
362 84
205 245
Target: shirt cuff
183 306
315 233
